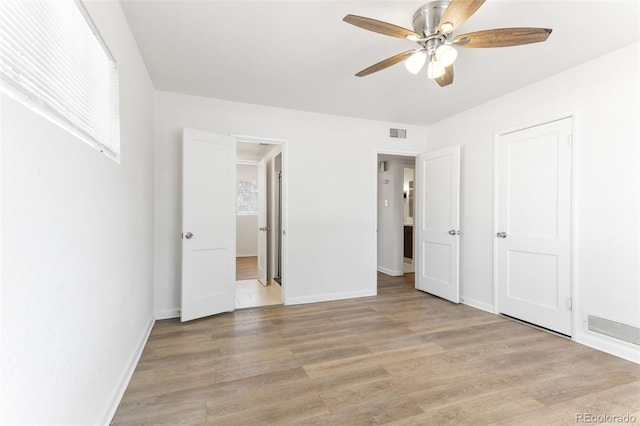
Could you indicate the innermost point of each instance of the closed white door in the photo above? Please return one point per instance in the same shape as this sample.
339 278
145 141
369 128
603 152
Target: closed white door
438 222
208 224
263 228
534 225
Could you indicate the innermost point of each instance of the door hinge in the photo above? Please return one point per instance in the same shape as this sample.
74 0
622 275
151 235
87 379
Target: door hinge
570 303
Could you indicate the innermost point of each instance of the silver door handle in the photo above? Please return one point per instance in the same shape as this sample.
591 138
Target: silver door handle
188 235
454 232
264 228
501 235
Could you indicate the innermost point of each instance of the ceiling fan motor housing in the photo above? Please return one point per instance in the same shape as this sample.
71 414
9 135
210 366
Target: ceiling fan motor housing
427 18
425 23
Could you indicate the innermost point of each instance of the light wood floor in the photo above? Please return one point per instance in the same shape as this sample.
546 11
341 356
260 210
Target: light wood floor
403 357
246 268
249 292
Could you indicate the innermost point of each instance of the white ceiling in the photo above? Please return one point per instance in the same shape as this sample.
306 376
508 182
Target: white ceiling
300 55
253 152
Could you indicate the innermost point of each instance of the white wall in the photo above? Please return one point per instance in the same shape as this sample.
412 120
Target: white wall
605 96
77 245
246 224
331 166
246 235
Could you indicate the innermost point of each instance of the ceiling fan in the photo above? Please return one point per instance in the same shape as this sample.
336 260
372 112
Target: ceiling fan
433 25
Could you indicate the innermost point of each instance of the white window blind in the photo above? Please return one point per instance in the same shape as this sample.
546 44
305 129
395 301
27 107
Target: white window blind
54 61
247 197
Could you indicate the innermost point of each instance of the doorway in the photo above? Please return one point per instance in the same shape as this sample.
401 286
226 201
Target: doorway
436 218
395 215
258 224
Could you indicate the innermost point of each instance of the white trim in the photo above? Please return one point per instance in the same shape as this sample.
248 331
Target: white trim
2 388
330 297
247 255
246 162
494 213
390 272
94 30
168 314
573 226
258 139
474 303
126 377
535 123
609 345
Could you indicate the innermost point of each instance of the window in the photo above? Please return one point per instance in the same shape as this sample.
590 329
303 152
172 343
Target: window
53 60
247 197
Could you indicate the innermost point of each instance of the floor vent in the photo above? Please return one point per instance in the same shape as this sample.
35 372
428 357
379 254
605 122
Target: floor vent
614 329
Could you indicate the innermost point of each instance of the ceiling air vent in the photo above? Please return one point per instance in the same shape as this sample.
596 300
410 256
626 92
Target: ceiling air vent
398 133
610 328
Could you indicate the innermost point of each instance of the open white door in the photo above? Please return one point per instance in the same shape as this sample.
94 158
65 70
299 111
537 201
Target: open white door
263 226
438 221
534 225
208 224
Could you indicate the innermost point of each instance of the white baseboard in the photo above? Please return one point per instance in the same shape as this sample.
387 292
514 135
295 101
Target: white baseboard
126 377
611 346
477 304
167 314
390 272
247 255
331 296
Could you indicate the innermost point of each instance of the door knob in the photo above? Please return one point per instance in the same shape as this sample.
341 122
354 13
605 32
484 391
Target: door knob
264 228
454 232
188 235
501 235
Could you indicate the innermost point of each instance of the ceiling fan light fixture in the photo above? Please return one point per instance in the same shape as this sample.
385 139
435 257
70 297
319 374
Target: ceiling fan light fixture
446 55
433 25
416 61
434 69
446 27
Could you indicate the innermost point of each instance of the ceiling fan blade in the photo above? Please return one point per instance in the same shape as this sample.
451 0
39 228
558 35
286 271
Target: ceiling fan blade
381 27
503 37
386 63
446 78
456 13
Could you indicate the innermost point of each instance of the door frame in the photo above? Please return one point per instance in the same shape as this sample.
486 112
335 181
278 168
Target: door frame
416 204
284 145
573 280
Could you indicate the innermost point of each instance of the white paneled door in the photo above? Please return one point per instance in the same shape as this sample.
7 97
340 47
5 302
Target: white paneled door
263 225
438 222
208 224
534 224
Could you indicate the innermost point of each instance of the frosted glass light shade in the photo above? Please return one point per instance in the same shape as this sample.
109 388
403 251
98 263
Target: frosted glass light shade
446 55
446 28
435 70
416 61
